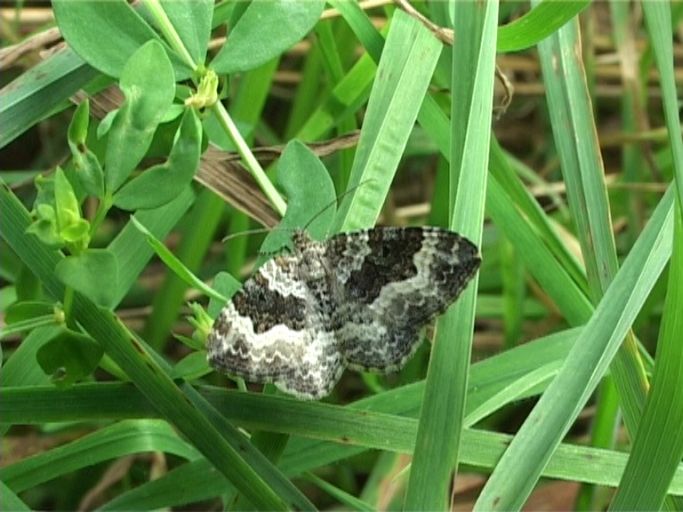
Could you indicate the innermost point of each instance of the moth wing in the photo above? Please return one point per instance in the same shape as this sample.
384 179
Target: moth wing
271 332
389 283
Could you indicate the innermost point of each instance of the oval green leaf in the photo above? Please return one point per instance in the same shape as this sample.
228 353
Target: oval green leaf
311 197
266 29
107 34
26 310
94 273
69 357
160 184
88 170
148 83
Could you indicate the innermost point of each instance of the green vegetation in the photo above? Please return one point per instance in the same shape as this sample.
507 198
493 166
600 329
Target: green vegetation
156 144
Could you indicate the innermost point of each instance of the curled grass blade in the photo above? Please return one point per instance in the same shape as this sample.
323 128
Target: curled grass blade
541 21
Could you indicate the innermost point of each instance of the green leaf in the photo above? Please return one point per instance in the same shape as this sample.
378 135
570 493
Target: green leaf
653 463
524 460
408 61
45 185
189 342
88 170
76 234
310 193
192 366
266 29
20 368
202 323
94 273
78 128
72 229
26 310
658 21
28 325
226 285
110 442
362 26
69 357
107 34
443 410
160 184
45 226
147 81
176 265
192 21
541 21
67 209
11 501
39 91
105 125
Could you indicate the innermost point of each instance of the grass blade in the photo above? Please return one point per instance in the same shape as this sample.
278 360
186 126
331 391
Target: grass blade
11 501
123 438
176 265
658 20
408 61
443 409
658 445
521 466
222 448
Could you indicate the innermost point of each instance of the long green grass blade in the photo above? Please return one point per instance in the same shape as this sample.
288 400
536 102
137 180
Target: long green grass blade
222 448
29 98
571 112
10 501
658 445
408 61
192 482
344 425
658 20
124 438
443 409
521 466
176 265
130 246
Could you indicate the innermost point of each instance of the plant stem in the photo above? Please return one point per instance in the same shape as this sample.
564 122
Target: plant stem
248 158
169 32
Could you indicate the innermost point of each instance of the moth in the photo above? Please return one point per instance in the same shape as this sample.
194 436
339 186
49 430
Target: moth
357 300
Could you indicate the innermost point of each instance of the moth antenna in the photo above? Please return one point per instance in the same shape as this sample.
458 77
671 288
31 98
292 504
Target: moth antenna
257 231
336 200
254 231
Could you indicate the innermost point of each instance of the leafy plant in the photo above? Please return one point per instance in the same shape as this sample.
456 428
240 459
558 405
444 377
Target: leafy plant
77 240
